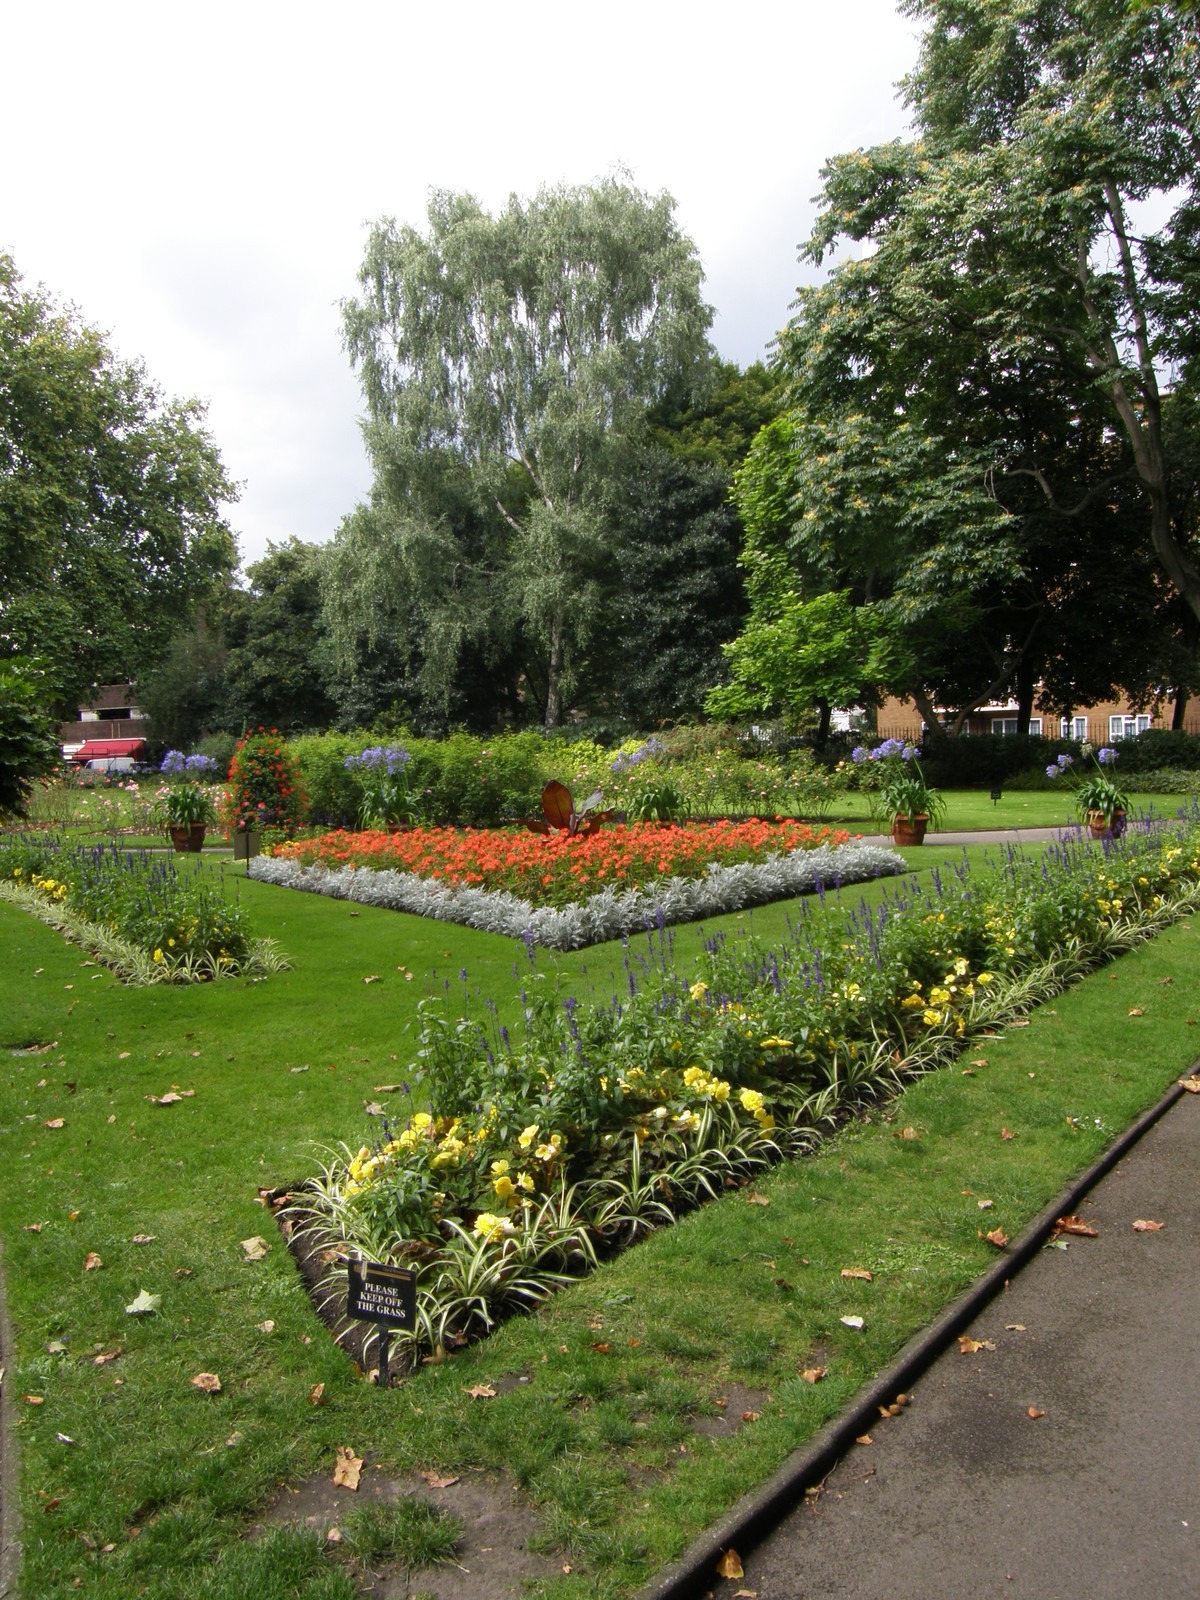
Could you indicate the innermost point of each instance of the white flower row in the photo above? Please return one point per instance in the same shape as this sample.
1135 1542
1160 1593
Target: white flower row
605 915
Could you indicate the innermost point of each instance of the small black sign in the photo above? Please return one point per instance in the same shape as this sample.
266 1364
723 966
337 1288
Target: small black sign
379 1293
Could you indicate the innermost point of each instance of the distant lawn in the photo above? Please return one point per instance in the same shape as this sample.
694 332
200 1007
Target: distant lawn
969 810
733 1294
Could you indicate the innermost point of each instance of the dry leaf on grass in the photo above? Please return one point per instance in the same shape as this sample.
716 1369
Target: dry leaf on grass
33 1227
1005 1134
985 1205
265 1327
56 1122
91 1261
388 1088
348 1469
316 1395
481 1391
729 1565
1146 1225
374 978
750 1416
143 1238
757 1200
374 1109
1136 1011
602 1349
998 1237
143 1304
435 1480
858 1272
1034 1413
255 1249
852 1322
207 1382
105 1357
34 1399
908 1133
813 1374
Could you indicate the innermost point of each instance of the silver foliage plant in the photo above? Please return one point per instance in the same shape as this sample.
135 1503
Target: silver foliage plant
606 915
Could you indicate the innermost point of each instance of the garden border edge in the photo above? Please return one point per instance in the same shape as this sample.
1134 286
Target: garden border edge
10 1510
747 1522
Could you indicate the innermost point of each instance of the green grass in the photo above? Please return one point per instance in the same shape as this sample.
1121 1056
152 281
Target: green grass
735 1293
972 810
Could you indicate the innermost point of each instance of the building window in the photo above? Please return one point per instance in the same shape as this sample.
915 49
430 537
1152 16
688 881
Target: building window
1008 725
1127 727
1074 728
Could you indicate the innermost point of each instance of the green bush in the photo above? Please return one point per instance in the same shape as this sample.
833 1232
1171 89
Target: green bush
28 746
334 794
1159 748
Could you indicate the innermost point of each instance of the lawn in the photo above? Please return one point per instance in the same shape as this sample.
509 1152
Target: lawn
603 1440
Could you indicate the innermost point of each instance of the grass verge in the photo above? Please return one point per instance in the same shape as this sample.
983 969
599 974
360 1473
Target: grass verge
603 1440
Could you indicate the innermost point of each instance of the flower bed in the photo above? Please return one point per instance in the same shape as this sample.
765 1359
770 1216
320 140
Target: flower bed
536 1154
135 911
613 907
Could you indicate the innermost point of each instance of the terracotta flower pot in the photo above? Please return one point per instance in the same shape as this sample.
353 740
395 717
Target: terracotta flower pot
190 838
1102 827
909 830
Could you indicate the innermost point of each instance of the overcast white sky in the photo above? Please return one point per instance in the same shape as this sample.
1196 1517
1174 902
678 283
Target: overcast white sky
198 180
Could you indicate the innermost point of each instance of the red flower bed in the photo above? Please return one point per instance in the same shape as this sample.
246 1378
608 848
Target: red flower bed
554 869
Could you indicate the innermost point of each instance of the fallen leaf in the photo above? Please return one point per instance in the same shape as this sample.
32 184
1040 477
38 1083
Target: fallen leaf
105 1356
908 1133
183 1272
56 1348
50 1504
348 1468
852 1322
968 1346
1019 1022
757 1200
481 1391
1145 1225
143 1304
234 1438
374 1109
316 1395
1192 1085
34 1399
56 1122
1034 1413
813 1374
124 1056
729 1565
208 1382
143 1238
33 1227
435 1480
1004 1134
297 1069
858 1272
388 1088
91 1261
374 978
64 1438
998 1237
1014 1327
255 1249
1076 1225
168 1099
864 1438
985 1205
1136 1011
602 1349
979 1061
265 1327
750 1416
334 1535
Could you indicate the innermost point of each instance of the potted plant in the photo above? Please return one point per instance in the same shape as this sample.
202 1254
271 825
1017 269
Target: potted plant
264 791
186 808
901 797
387 801
1098 798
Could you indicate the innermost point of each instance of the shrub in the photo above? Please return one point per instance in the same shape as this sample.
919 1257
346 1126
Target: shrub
28 746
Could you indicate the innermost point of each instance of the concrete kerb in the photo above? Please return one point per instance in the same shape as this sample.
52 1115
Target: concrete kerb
757 1512
10 1514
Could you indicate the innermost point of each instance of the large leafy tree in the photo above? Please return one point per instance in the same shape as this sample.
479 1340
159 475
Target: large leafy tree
277 665
1001 349
110 499
504 360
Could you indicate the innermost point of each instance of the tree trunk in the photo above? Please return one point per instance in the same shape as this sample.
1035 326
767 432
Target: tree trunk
1181 700
554 674
825 711
1024 693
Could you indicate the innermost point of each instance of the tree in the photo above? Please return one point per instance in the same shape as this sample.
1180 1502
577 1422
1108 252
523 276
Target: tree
1004 240
28 738
503 360
110 522
277 665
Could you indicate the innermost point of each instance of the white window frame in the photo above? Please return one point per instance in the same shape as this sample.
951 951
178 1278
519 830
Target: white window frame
1128 727
1074 728
1007 726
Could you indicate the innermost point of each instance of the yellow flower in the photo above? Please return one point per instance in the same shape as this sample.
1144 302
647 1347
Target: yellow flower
524 1181
158 955
499 1168
984 977
912 1003
775 1044
698 991
529 1135
170 941
932 1018
938 997
491 1227
504 1187
751 1100
693 1075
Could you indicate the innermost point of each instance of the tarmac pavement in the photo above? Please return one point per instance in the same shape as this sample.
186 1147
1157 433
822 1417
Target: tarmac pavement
966 1495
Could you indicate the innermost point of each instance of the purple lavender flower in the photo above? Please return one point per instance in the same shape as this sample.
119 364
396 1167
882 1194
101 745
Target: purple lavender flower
1054 772
1107 756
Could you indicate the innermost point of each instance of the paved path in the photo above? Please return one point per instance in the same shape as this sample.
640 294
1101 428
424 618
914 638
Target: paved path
964 1496
982 836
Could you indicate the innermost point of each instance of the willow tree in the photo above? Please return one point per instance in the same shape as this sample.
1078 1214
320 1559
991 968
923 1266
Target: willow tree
511 356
